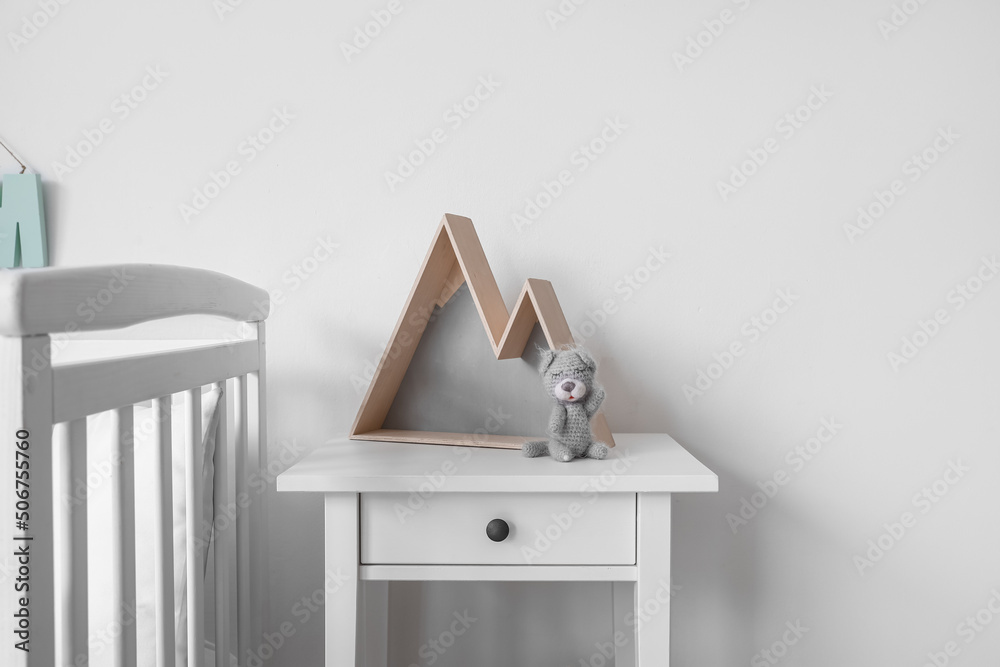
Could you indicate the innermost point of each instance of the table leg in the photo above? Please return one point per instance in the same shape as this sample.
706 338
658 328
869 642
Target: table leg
342 568
652 621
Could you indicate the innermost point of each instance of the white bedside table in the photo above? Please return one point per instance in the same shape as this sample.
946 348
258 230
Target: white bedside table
404 512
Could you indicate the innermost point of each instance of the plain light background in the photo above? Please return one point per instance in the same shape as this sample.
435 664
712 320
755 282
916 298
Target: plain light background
323 177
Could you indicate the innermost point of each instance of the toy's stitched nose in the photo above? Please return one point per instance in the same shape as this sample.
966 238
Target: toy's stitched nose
568 386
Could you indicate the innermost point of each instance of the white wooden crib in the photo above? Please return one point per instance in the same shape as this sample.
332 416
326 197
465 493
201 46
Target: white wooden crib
51 381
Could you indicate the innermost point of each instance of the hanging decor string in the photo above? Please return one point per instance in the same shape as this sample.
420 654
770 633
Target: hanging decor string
23 166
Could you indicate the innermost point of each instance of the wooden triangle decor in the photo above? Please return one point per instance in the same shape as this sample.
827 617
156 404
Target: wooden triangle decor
457 257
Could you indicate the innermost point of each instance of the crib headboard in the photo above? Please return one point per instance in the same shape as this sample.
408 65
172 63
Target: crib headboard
43 410
46 301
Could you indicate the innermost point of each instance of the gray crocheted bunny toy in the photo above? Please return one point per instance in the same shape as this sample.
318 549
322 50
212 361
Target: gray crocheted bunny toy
568 375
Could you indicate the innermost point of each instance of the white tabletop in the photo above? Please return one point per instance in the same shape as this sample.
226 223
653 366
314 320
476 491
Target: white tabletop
642 462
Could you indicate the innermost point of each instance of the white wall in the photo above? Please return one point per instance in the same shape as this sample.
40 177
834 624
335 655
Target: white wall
656 185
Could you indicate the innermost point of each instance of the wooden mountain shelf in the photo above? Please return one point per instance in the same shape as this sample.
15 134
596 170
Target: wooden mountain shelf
456 257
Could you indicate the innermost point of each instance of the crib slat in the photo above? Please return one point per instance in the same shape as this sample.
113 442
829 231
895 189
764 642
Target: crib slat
193 473
163 534
70 454
123 535
223 552
242 522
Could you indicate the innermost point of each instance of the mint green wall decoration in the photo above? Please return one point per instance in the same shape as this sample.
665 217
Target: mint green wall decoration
22 222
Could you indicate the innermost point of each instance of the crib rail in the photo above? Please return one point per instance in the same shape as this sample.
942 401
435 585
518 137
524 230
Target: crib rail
89 387
43 411
96 298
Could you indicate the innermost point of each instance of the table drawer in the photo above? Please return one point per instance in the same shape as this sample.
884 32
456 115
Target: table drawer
544 529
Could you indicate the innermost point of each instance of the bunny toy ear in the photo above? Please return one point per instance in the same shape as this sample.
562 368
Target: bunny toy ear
545 358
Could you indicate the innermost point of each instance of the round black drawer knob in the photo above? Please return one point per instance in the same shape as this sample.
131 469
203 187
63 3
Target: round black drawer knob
497 530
